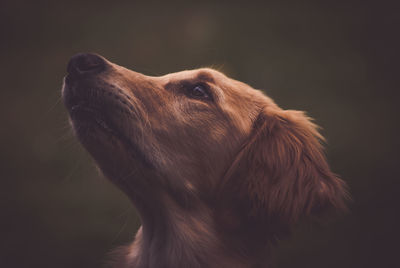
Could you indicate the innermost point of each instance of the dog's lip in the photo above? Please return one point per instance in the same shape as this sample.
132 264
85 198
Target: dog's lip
83 112
82 107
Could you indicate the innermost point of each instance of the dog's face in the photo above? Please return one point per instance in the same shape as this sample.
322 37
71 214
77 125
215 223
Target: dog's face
193 120
192 132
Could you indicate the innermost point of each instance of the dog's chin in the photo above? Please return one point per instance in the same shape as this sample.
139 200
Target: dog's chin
100 138
111 148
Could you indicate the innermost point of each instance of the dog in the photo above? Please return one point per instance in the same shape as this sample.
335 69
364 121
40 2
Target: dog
216 170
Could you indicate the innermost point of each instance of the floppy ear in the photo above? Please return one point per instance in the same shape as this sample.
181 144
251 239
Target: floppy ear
281 172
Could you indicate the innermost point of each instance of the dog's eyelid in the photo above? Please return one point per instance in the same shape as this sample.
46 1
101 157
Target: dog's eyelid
187 86
182 86
201 87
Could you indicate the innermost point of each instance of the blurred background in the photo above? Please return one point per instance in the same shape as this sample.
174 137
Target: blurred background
336 60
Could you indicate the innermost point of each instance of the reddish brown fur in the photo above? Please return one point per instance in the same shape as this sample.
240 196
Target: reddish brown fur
215 181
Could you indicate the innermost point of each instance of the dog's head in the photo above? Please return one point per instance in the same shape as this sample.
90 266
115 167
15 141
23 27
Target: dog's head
198 134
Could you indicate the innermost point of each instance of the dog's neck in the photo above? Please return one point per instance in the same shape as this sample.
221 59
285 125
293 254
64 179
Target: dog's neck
173 237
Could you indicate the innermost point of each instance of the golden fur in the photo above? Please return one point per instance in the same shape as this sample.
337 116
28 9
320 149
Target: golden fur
215 177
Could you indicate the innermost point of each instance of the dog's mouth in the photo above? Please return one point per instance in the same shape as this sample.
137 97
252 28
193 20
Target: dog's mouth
82 112
90 120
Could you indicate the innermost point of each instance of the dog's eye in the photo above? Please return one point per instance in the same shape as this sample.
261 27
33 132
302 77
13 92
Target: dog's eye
199 91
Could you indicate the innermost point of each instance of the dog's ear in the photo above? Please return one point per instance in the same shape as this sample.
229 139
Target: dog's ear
281 172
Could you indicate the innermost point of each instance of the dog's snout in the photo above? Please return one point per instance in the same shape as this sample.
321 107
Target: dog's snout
86 64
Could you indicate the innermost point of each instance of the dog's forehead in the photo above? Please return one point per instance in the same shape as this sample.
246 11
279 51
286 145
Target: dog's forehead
202 74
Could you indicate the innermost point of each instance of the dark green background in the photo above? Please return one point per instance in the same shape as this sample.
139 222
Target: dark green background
336 60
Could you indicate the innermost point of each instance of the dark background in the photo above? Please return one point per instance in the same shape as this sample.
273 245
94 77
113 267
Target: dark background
335 60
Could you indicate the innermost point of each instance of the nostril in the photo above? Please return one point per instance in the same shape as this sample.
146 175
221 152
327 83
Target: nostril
85 63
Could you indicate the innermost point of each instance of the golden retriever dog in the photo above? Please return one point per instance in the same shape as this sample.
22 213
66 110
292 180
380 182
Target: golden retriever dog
216 170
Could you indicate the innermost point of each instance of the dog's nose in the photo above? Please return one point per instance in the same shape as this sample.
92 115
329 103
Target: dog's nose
86 64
